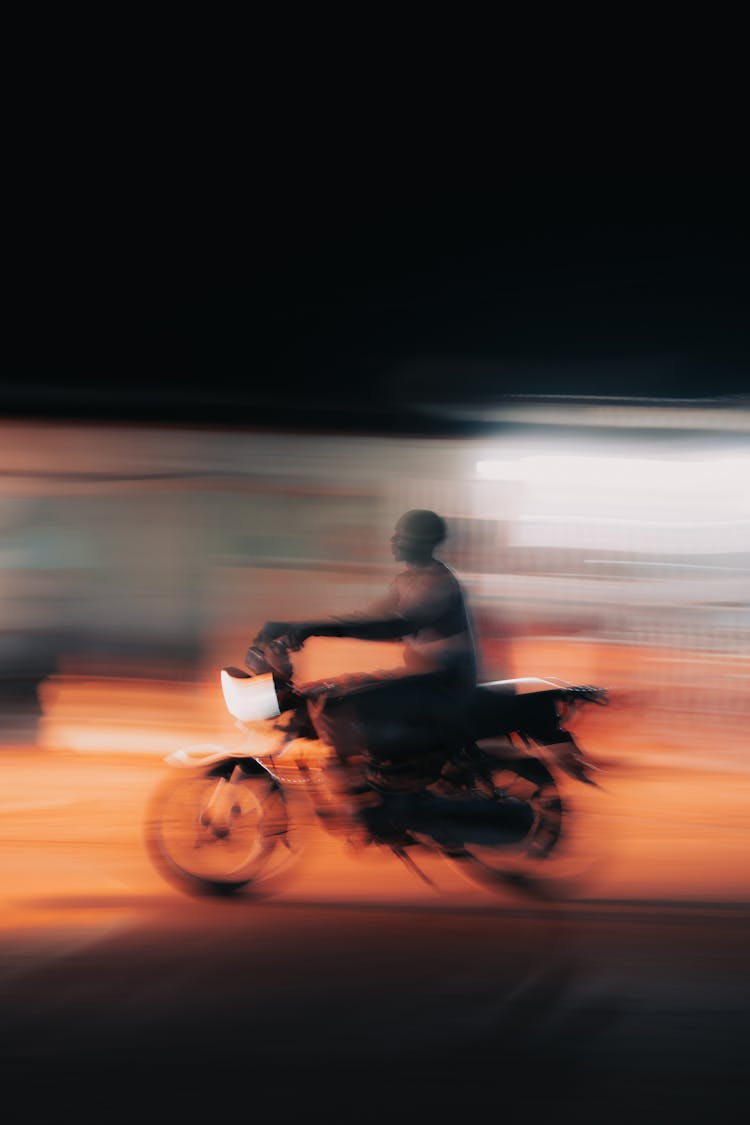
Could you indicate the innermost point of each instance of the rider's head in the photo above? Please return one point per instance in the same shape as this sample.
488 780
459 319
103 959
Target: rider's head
416 535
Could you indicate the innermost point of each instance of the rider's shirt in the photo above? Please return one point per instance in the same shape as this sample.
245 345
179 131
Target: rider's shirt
435 625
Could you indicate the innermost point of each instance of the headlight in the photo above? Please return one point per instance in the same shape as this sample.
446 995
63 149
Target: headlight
250 698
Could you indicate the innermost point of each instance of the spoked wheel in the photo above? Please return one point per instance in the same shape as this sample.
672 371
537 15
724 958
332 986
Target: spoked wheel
526 796
217 833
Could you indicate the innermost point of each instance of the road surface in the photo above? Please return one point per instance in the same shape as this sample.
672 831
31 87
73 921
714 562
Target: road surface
361 993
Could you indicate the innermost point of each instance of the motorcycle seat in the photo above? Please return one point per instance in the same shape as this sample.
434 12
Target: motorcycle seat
499 707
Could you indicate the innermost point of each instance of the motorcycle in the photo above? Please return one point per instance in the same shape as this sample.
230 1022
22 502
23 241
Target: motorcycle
230 819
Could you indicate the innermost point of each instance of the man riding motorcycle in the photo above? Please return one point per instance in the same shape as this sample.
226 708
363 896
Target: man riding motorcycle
405 718
401 725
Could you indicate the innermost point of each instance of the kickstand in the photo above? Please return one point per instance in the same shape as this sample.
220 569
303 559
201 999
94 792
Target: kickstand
409 862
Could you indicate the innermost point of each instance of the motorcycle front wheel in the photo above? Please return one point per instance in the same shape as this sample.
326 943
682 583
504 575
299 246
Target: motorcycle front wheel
208 834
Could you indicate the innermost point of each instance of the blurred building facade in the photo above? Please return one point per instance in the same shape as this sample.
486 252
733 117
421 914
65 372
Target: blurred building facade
159 551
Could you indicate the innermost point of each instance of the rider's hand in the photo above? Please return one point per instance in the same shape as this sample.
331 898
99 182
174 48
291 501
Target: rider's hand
291 635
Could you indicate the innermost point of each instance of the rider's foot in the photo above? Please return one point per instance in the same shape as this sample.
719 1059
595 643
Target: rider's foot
471 785
444 787
345 818
482 787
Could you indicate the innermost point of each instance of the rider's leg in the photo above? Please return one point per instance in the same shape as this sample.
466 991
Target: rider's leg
336 723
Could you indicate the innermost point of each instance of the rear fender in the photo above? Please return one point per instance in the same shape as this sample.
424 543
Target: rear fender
499 710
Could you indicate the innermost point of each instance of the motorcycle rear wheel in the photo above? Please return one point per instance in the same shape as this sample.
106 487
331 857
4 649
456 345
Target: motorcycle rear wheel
244 845
527 781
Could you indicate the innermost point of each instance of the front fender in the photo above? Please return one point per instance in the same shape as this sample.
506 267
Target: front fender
209 754
203 754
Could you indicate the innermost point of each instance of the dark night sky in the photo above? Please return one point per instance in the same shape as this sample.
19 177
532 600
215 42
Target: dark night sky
333 305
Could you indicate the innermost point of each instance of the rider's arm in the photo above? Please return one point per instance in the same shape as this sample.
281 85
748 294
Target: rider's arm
358 628
381 622
438 604
362 627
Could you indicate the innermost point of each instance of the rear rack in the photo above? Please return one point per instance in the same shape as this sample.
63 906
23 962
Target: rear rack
586 693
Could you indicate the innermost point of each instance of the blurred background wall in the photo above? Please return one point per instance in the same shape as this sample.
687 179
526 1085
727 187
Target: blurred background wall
611 548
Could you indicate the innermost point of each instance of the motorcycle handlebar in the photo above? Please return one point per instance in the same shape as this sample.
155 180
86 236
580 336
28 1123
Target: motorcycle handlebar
270 655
